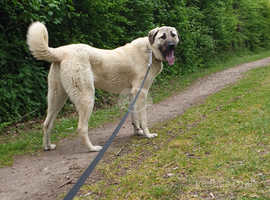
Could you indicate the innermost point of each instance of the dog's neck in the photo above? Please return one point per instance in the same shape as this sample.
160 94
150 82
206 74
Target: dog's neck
157 65
154 58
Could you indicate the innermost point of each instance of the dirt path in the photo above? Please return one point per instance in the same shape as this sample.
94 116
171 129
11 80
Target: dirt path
43 177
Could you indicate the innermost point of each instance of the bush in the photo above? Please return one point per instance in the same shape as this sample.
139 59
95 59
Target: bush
207 28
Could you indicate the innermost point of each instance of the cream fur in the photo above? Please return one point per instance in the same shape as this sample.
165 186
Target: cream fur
78 68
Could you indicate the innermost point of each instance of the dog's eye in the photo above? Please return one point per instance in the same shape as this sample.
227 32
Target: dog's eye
163 36
173 34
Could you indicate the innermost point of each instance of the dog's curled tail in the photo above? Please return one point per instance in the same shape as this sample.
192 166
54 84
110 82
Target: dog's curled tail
37 40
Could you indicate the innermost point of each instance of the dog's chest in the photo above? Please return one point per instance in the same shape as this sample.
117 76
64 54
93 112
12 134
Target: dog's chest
156 68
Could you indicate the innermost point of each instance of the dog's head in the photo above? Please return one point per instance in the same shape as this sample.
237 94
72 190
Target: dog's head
163 41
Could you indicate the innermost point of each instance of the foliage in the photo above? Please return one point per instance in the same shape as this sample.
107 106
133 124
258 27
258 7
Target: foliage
207 29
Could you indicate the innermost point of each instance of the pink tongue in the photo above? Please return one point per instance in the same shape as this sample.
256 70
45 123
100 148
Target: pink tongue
170 58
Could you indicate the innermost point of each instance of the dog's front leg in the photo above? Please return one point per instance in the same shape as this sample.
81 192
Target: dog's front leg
139 116
143 116
135 116
136 123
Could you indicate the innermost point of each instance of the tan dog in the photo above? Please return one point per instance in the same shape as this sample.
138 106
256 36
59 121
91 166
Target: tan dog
78 68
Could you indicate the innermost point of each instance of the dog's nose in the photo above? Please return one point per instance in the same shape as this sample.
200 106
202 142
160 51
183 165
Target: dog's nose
171 45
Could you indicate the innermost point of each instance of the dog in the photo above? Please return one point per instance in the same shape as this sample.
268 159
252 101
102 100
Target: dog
77 69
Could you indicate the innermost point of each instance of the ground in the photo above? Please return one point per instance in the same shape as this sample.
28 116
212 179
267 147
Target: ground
52 173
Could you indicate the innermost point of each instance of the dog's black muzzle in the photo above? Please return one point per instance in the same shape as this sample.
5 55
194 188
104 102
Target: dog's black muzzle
171 46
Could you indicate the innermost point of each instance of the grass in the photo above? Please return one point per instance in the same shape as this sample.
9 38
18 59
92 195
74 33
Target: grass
217 150
20 139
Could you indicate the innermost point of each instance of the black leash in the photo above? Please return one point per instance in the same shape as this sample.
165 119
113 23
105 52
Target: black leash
93 164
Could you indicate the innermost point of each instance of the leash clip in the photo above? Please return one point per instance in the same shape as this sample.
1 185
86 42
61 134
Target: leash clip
150 58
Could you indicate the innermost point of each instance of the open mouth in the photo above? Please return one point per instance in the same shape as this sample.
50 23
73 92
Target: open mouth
168 53
170 57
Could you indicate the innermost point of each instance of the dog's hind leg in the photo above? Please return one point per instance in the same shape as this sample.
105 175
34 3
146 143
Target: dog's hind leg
78 81
56 99
85 107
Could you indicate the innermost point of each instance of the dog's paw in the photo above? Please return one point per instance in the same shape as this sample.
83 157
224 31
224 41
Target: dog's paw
50 147
96 148
139 132
151 135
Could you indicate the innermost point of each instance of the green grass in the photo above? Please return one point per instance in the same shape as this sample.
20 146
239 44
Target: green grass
20 139
217 150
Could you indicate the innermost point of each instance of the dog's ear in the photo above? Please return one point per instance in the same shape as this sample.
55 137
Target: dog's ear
152 34
177 33
178 36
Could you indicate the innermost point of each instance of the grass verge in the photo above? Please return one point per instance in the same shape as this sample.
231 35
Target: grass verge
217 150
20 139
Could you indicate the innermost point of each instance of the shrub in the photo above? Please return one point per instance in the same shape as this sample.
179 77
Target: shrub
207 28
